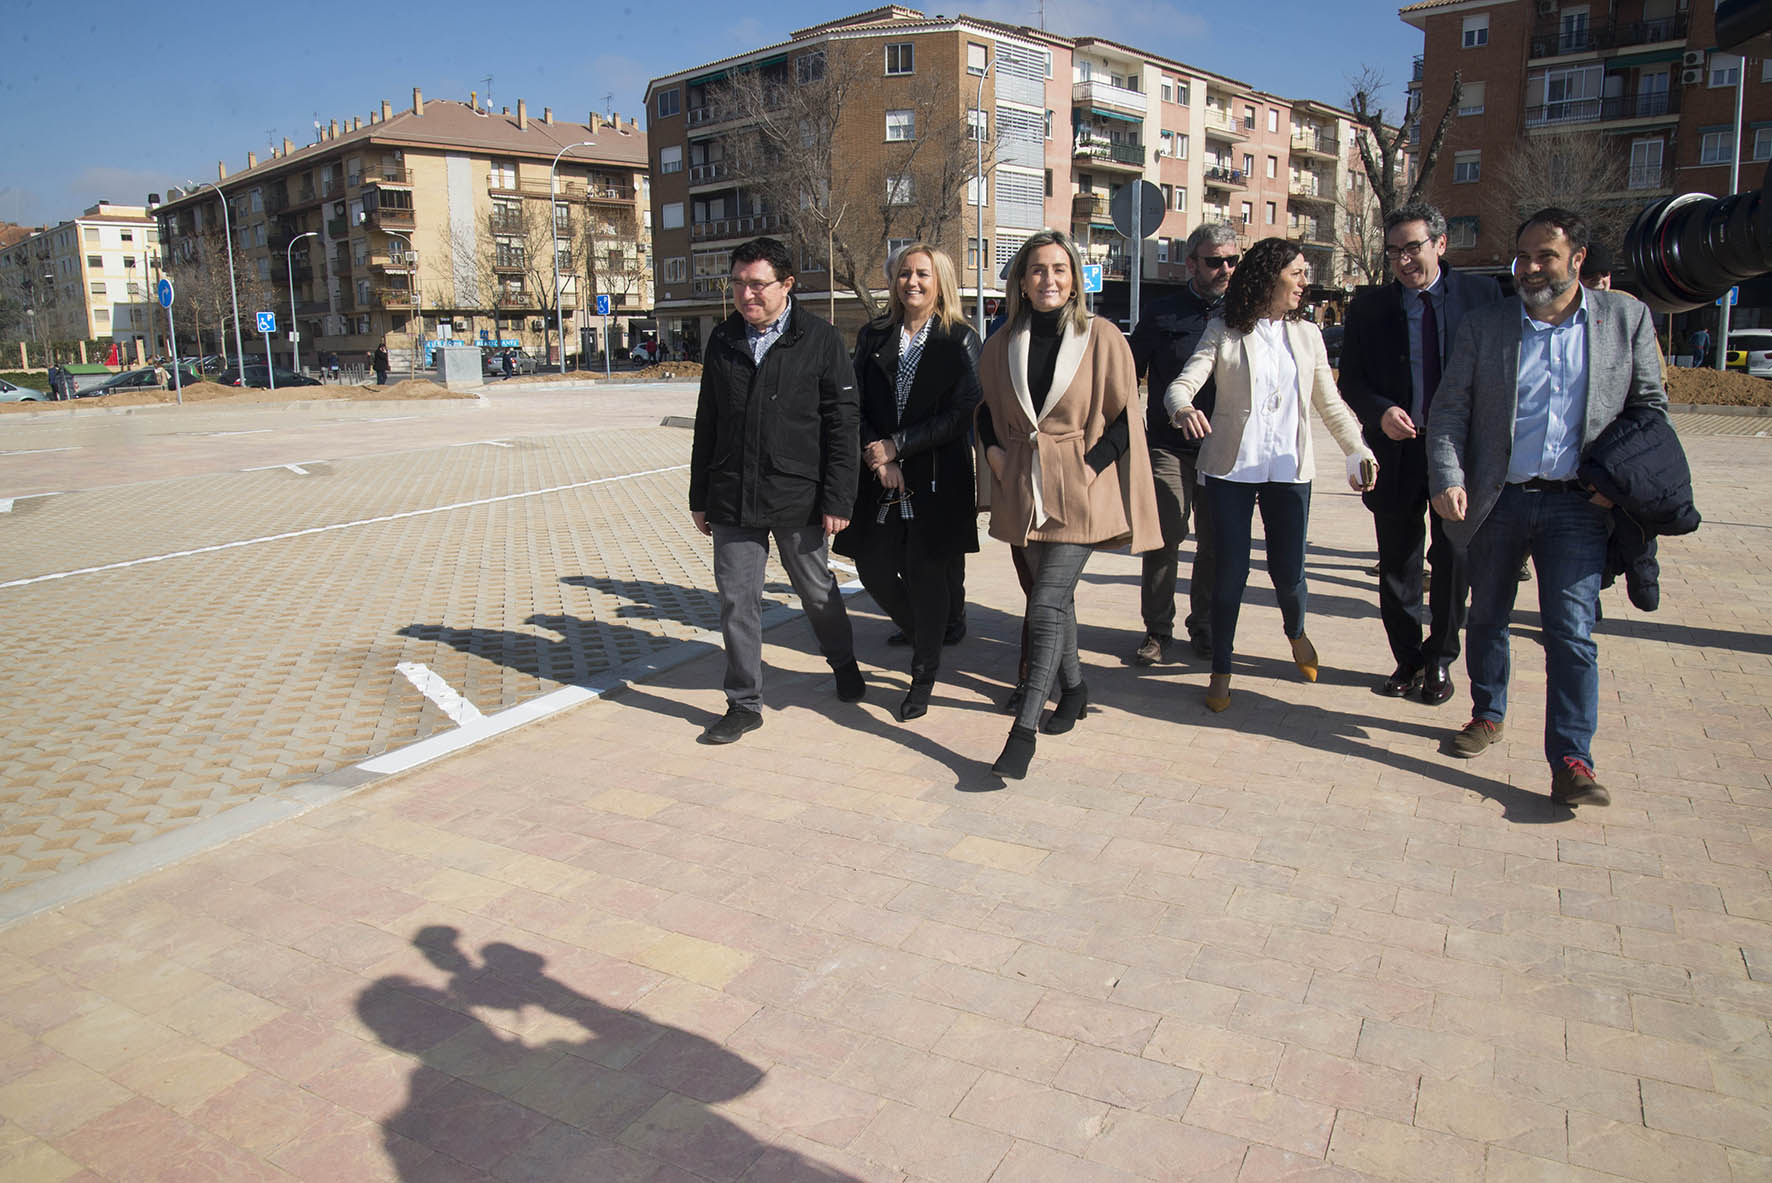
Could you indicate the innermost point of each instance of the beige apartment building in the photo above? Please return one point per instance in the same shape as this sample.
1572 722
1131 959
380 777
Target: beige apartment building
424 226
89 278
1065 123
1640 81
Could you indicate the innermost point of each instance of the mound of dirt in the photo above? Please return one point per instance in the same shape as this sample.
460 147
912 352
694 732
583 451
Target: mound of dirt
1718 389
211 392
669 369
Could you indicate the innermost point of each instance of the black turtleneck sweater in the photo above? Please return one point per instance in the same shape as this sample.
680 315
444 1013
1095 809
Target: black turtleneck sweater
1044 338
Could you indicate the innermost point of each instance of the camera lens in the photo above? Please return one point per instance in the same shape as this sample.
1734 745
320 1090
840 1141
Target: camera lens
1688 250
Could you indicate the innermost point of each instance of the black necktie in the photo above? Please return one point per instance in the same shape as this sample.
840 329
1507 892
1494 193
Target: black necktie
1430 356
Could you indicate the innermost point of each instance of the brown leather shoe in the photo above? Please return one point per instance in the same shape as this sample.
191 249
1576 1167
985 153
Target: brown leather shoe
1476 737
1574 784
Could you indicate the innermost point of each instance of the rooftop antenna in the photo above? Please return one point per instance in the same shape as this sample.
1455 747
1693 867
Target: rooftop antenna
316 127
488 81
271 138
609 103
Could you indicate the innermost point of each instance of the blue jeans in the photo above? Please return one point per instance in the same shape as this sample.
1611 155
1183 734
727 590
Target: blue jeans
1285 512
1566 535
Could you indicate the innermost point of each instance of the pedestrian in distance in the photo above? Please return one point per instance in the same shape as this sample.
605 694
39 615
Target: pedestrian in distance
916 517
776 455
1392 357
1530 385
1596 268
509 364
1162 342
378 361
1070 471
1272 368
1700 346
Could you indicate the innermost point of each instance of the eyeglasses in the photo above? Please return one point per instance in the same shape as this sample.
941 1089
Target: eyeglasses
1411 249
1214 262
754 287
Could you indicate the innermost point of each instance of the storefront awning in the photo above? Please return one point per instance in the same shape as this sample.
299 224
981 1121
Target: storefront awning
1107 114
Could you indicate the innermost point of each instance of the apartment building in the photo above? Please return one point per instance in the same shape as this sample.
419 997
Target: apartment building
425 226
1065 123
89 278
1639 82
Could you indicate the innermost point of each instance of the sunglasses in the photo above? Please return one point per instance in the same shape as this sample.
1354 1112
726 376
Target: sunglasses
1213 263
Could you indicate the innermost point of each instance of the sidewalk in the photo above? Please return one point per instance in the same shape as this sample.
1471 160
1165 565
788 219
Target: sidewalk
1292 941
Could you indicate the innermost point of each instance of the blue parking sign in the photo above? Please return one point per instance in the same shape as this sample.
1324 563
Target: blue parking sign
267 322
602 305
1092 277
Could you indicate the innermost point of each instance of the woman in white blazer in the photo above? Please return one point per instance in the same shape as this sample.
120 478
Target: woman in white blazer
1270 367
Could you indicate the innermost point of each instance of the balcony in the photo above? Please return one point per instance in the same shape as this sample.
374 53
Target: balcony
507 223
394 298
608 191
1645 107
736 227
709 285
1417 70
1310 143
399 178
1089 207
1312 235
1311 191
1108 97
393 260
302 271
1224 125
1105 152
1116 266
1219 177
312 308
337 227
714 170
1552 39
389 218
515 300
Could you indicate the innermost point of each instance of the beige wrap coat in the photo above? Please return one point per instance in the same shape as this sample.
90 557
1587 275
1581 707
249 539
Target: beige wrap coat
1045 494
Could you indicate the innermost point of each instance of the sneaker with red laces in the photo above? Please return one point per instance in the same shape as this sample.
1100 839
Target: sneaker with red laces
1574 784
1475 737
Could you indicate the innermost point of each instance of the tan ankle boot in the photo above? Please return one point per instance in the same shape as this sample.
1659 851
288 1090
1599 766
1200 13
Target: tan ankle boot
1304 656
1218 693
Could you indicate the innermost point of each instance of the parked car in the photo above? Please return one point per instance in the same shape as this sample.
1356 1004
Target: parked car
10 393
259 376
1751 350
646 353
149 378
494 362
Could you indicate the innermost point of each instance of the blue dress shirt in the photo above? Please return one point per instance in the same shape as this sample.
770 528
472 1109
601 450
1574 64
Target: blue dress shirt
1552 404
1436 291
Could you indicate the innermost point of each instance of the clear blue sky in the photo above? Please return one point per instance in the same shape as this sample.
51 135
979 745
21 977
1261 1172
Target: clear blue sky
114 100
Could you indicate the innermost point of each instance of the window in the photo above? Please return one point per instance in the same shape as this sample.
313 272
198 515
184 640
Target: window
670 102
1725 69
1470 99
95 262
1461 233
978 124
1248 118
1467 167
1766 69
978 191
1248 212
1049 182
1273 167
901 125
670 160
1645 164
92 236
899 190
894 245
676 269
98 287
901 58
1162 250
1180 198
562 254
977 57
127 235
1181 145
1476 30
1272 212
1181 93
671 215
102 315
1762 143
1048 125
1167 90
1273 119
504 175
1248 165
1168 192
972 253
1714 147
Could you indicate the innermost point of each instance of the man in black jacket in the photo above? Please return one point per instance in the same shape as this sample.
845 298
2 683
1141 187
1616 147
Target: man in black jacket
1161 344
777 453
1396 343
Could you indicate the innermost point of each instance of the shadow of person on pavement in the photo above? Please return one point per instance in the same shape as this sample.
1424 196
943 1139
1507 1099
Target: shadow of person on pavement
628 1098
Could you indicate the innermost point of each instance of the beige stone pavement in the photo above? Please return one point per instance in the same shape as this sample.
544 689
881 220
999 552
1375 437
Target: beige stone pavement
1293 941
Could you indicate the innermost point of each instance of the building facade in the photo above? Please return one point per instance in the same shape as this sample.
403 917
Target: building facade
426 226
1610 106
89 278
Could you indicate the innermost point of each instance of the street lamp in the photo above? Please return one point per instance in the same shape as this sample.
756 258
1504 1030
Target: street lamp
978 130
418 312
554 249
294 333
233 291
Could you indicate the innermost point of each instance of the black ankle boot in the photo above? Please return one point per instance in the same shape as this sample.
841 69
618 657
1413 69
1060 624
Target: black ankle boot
1072 705
916 703
1017 751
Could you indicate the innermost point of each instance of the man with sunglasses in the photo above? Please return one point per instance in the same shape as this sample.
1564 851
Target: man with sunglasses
1161 343
1397 339
777 454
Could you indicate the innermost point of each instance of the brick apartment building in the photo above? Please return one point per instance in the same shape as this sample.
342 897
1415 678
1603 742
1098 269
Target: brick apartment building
1641 78
424 226
1066 123
89 278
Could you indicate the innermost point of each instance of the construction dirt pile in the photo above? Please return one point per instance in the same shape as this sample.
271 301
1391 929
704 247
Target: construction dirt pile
211 392
1717 388
669 369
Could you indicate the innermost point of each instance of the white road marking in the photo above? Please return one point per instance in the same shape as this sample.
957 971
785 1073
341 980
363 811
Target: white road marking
6 502
5 505
297 468
384 419
375 521
477 443
254 431
429 683
38 451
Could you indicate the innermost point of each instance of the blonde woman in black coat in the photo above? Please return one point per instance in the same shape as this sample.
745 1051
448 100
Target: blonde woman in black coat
915 372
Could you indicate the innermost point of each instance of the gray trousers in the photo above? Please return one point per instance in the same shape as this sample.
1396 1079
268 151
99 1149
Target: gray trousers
740 555
1052 624
1179 497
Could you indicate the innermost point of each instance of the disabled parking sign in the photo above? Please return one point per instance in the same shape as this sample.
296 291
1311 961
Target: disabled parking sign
267 322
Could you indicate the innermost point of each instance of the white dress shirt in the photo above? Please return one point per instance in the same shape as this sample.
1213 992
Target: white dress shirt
1269 450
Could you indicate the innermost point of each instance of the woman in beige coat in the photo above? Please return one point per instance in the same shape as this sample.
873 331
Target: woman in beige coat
1069 470
1271 368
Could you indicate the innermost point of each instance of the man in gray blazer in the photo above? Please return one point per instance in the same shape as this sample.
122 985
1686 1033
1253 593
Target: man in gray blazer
1530 384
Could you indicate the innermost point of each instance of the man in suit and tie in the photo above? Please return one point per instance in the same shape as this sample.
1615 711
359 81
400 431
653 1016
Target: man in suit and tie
1529 385
1391 359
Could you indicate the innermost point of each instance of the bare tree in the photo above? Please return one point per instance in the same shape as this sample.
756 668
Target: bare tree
1382 145
1572 170
783 158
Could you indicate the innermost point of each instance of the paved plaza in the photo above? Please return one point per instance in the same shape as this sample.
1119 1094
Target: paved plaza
1295 941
